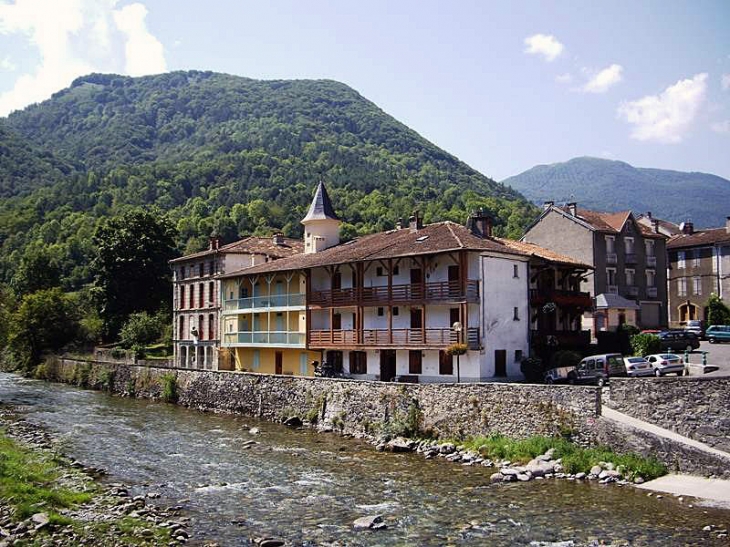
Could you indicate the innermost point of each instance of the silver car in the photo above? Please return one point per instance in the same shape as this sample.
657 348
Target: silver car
638 366
666 363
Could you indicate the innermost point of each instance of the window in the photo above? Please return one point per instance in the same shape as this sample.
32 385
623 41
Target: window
630 278
629 245
396 311
200 269
682 286
696 258
182 272
415 361
379 271
211 267
515 314
610 245
515 271
680 260
446 363
358 362
518 356
610 276
181 332
181 304
191 300
201 295
396 270
381 312
211 327
650 278
649 245
256 359
211 292
697 285
201 324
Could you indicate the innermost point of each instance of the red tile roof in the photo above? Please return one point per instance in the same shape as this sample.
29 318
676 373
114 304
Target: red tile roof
545 254
610 222
253 245
699 238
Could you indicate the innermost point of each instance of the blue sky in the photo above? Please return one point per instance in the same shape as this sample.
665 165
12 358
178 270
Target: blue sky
503 86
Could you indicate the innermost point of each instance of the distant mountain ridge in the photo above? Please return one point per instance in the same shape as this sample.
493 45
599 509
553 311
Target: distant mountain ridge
609 185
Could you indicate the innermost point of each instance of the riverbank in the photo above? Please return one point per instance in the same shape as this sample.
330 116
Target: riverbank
49 499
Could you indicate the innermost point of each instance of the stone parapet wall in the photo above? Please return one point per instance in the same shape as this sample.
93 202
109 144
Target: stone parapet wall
356 407
696 407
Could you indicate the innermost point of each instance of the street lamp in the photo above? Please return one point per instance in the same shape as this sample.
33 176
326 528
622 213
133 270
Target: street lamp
457 328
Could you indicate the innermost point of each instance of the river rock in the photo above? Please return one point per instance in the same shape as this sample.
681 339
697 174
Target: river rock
580 476
40 520
399 444
372 522
596 470
293 421
496 477
254 431
540 468
268 542
509 471
446 448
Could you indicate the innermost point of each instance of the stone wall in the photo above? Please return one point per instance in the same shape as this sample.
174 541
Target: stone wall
356 407
696 407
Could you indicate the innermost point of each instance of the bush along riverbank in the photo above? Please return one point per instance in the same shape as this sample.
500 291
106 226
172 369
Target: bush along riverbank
48 499
534 458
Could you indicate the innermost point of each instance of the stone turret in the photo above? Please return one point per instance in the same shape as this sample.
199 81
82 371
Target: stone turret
321 225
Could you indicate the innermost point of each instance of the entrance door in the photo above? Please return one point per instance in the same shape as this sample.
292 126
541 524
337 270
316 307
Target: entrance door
500 362
416 333
278 363
454 281
416 283
387 365
336 281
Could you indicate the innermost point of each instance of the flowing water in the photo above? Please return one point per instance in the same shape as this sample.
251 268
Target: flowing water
307 488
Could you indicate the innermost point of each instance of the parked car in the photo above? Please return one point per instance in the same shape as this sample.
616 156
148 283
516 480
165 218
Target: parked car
638 366
697 326
718 333
678 340
666 363
597 369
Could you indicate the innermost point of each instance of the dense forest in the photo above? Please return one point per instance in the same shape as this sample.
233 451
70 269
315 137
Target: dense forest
221 154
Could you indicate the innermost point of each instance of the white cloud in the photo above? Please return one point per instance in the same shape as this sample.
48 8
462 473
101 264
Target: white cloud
543 44
7 64
144 52
73 38
666 117
601 81
564 78
721 127
725 81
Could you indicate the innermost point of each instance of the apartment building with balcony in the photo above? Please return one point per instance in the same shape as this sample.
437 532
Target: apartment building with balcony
387 305
196 293
628 279
699 265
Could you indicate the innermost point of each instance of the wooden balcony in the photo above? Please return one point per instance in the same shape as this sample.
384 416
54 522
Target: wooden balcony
563 299
412 293
395 338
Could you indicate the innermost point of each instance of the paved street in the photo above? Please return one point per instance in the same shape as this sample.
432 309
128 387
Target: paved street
719 356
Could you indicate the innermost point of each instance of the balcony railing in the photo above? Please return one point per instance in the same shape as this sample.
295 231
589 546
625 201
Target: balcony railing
651 262
269 338
444 291
384 338
611 258
262 302
632 291
612 289
538 297
630 258
651 292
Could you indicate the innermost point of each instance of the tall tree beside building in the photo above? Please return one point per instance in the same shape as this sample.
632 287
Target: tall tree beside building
131 273
717 312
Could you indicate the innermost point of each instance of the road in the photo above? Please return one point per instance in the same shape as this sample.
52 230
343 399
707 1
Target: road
719 356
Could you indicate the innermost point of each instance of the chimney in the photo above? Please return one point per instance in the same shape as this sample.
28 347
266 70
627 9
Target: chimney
480 224
547 205
278 238
572 208
655 224
648 215
687 228
415 222
214 243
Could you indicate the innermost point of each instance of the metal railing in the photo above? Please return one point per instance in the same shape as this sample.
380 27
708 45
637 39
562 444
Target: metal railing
292 300
268 338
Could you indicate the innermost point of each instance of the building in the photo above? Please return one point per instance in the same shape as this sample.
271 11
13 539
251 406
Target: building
392 305
699 265
628 281
196 293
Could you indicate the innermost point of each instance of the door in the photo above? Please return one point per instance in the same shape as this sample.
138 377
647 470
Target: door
279 362
500 362
387 365
416 283
334 361
454 281
336 281
416 333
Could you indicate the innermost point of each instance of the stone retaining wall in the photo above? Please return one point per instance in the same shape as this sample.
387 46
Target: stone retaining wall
696 407
350 406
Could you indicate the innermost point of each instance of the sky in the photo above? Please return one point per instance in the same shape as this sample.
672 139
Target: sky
502 85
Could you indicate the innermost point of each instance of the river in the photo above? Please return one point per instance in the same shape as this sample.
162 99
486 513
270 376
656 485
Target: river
307 488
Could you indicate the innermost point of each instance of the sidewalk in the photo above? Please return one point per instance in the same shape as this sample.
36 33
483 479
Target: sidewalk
716 491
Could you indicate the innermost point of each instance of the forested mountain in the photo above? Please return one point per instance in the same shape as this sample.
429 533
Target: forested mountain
607 185
221 154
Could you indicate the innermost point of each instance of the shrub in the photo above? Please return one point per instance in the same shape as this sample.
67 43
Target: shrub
565 358
457 349
630 330
645 344
532 369
169 388
139 330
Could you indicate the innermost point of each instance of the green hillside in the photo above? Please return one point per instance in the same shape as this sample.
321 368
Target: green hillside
221 154
607 185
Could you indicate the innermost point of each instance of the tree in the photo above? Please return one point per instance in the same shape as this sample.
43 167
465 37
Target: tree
45 321
717 312
131 268
37 270
141 329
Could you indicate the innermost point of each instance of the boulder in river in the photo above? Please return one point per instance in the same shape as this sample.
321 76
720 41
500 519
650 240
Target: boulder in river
293 421
371 522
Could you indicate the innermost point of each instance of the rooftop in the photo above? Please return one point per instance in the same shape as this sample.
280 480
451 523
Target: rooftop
252 245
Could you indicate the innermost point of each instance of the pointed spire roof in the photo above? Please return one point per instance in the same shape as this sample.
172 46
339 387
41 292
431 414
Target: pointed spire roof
321 207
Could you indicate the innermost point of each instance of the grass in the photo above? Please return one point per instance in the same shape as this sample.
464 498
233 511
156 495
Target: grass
574 458
28 483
